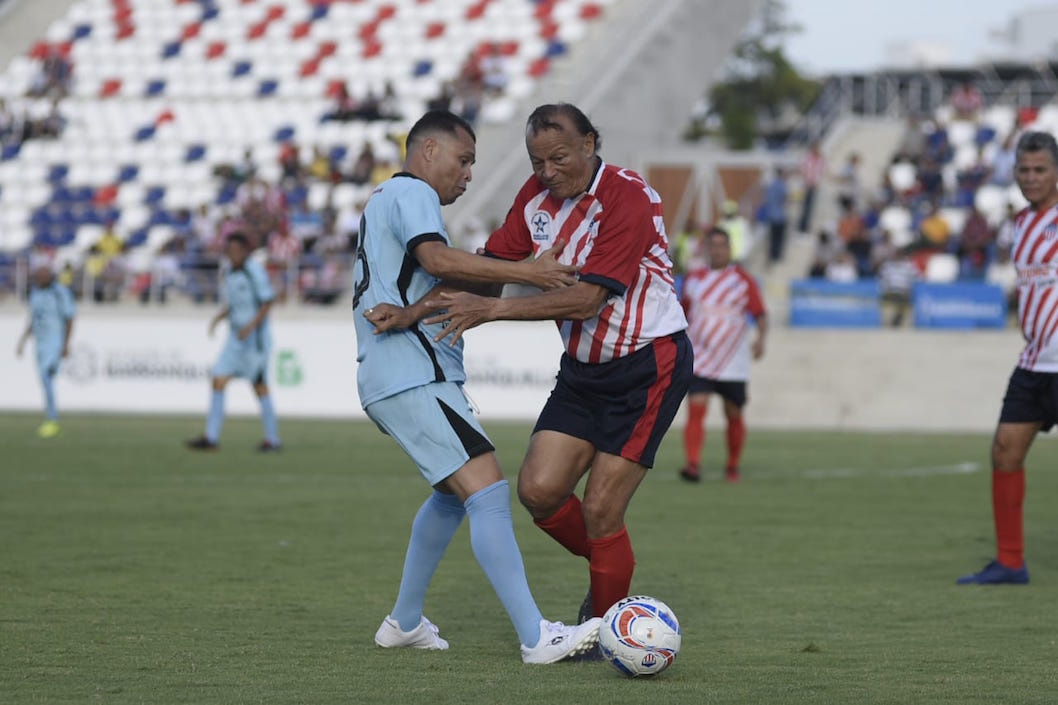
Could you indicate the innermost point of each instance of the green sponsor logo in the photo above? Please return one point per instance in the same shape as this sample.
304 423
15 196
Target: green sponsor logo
288 369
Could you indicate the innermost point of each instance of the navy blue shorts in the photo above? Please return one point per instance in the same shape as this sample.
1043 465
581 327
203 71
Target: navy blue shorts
1032 397
625 406
734 392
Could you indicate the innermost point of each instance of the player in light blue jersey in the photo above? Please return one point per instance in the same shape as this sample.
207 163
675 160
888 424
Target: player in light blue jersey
411 387
249 299
51 314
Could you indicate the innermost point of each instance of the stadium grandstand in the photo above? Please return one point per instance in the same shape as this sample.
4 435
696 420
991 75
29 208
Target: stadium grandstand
136 133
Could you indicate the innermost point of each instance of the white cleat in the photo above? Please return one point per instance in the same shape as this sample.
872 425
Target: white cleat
424 636
559 642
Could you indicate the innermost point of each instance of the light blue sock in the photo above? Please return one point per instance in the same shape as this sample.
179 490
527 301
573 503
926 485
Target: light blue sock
492 538
431 532
215 420
50 410
268 420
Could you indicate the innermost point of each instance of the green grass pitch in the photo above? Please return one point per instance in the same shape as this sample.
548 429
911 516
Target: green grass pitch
132 571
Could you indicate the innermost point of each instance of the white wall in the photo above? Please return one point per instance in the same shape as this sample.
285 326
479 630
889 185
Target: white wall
137 361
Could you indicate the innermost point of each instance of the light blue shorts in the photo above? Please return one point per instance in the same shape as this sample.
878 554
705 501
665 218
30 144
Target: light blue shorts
435 426
243 358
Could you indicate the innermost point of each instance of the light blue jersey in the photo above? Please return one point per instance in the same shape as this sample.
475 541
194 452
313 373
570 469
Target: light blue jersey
402 213
50 308
246 290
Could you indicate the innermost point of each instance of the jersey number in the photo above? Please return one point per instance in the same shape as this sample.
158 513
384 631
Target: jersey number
365 272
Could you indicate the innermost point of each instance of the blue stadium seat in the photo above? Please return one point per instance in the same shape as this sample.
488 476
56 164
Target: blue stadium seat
284 134
10 152
144 133
267 87
194 153
155 87
81 31
154 195
57 173
170 50
128 172
422 68
136 237
241 68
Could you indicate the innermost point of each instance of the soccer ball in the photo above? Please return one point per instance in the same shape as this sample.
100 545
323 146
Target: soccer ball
640 636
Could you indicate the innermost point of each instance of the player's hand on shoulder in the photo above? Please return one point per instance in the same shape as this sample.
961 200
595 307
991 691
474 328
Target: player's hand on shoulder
387 317
550 273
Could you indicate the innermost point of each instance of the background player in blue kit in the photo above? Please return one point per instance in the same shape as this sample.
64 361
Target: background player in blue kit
411 387
51 314
249 347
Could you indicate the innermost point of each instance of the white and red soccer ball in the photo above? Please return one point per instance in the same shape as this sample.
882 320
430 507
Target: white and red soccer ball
640 636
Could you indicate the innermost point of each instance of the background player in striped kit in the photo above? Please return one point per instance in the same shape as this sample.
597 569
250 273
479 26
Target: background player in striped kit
51 314
719 300
1031 401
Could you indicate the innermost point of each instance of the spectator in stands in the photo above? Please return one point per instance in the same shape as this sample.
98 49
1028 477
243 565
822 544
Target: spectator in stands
1005 233
813 166
51 125
443 100
913 143
934 230
345 105
684 248
930 179
826 251
737 227
283 252
852 233
8 124
974 245
967 101
319 168
848 180
773 211
364 166
290 164
494 70
896 278
1003 162
53 77
389 104
842 269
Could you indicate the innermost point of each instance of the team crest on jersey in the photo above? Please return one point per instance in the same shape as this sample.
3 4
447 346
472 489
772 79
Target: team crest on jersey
541 225
1050 232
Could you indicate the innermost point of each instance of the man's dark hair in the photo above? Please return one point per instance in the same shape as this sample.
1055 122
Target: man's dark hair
438 121
239 237
717 230
1037 142
543 118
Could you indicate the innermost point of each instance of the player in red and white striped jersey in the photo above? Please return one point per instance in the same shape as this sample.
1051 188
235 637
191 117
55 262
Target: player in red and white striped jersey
628 360
1031 401
720 301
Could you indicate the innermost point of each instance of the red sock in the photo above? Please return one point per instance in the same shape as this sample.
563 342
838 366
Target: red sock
567 527
736 438
694 433
612 563
1008 497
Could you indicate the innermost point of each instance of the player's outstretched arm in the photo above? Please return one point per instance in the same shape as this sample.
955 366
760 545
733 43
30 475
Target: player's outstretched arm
762 332
22 340
446 262
464 311
221 315
66 337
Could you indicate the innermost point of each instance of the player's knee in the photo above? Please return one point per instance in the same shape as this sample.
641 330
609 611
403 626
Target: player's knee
601 517
218 384
536 495
1006 455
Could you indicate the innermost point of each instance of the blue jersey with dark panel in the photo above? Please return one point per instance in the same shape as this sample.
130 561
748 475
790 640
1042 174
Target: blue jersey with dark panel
50 308
402 213
246 290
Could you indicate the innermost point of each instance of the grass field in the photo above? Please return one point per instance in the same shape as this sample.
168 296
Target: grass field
132 571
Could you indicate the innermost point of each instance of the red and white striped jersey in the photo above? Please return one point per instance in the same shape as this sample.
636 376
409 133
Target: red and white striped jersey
1035 256
615 235
719 303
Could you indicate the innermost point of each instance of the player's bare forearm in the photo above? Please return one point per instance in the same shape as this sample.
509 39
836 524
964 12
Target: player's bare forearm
762 332
465 311
451 264
66 338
